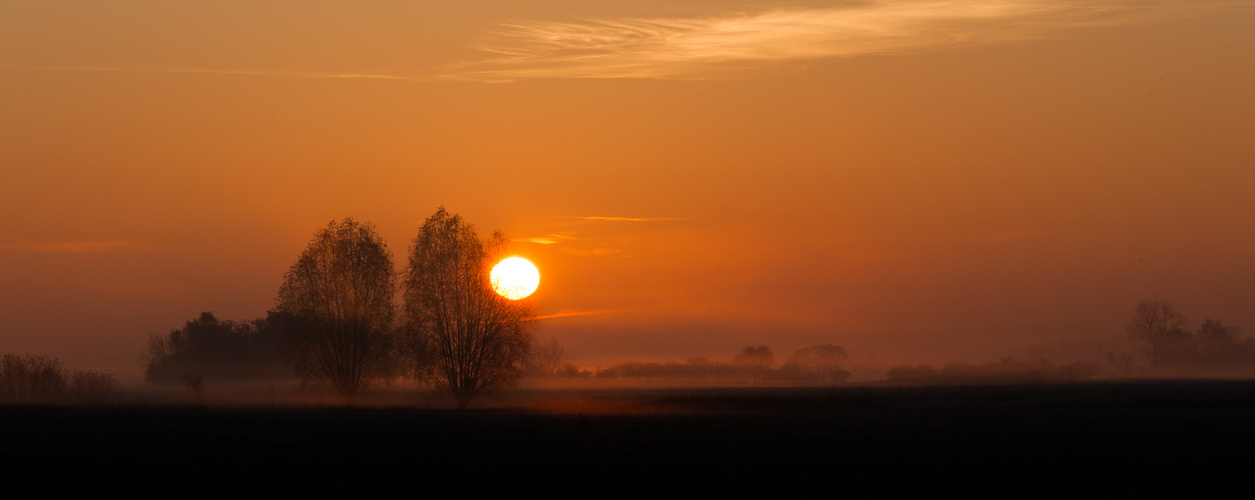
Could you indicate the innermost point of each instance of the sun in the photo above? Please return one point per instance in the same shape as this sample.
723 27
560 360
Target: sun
514 278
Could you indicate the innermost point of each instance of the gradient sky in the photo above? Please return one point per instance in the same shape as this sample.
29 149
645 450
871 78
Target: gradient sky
913 180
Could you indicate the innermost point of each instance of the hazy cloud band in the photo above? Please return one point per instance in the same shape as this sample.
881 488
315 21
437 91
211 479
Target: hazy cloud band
621 219
706 47
74 246
228 72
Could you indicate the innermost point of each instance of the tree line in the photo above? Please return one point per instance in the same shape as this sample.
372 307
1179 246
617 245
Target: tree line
338 323
44 380
820 364
1170 348
1007 371
1166 347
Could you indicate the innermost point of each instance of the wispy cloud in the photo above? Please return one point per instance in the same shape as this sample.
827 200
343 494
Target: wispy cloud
569 313
621 219
545 240
714 45
74 246
593 252
231 72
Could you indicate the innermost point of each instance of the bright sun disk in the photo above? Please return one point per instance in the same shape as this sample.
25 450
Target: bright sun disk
514 278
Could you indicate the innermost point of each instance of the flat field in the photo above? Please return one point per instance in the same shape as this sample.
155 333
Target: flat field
1103 438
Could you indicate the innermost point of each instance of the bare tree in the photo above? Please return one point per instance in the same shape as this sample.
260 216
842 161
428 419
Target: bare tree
475 340
338 300
546 357
1158 324
823 361
195 385
756 360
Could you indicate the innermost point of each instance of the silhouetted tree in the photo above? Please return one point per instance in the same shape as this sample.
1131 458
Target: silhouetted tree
476 340
31 379
913 374
1006 371
546 358
194 382
1219 342
338 300
222 349
757 360
41 380
1157 324
822 363
760 356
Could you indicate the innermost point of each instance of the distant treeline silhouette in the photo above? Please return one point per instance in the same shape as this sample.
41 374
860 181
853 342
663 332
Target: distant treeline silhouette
43 380
820 364
219 350
1007 371
1169 348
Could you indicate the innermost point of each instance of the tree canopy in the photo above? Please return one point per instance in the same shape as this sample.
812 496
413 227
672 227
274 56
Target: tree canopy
469 339
219 349
338 300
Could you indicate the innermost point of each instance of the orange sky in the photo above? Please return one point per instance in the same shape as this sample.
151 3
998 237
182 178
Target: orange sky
912 180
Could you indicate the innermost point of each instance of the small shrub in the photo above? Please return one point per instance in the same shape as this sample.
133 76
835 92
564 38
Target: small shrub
195 384
92 388
31 379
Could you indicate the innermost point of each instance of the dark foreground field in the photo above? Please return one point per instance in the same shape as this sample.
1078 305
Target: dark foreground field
1109 439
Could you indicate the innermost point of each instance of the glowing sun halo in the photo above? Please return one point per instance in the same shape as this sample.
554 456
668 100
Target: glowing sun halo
514 278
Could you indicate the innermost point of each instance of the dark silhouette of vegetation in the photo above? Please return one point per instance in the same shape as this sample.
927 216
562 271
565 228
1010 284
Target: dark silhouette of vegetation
1159 326
467 338
546 359
819 364
1216 349
337 303
223 350
194 382
756 361
1007 371
42 380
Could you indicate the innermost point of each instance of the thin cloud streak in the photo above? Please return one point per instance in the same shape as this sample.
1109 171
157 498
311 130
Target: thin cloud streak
717 46
74 246
570 313
545 240
596 252
539 240
230 72
621 219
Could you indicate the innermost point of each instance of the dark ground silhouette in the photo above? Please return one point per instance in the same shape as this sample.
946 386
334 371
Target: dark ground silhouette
1090 439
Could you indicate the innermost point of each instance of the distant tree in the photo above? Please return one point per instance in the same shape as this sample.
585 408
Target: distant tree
912 374
194 382
1160 327
1123 362
760 356
222 349
92 388
1223 347
337 299
475 341
756 360
1217 331
546 358
31 379
822 363
42 380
